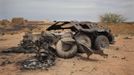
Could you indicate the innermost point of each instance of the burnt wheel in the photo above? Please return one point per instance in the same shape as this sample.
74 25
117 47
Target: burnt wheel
84 40
101 42
66 48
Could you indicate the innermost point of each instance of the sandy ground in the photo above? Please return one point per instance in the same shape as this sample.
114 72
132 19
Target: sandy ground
119 62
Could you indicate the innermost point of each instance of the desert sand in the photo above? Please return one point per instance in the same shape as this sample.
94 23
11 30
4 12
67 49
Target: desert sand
119 62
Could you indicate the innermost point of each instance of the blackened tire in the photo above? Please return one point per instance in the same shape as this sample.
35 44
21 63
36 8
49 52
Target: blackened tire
84 40
65 50
101 42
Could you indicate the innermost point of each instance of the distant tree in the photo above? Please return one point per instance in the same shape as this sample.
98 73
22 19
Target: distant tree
112 18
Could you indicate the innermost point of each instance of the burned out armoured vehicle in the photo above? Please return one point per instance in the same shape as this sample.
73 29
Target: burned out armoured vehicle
69 38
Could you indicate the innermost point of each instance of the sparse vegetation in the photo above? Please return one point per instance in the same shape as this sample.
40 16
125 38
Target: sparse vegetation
5 22
112 18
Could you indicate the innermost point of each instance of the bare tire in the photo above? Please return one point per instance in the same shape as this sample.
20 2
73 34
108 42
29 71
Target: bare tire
84 40
101 42
66 49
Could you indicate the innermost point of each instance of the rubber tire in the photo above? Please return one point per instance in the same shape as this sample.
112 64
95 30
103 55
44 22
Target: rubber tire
87 42
101 42
65 54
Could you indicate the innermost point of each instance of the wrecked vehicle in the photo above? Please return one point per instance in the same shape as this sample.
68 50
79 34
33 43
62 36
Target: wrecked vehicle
69 37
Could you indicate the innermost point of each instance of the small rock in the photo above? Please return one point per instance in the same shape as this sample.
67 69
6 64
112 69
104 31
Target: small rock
5 63
123 58
127 38
3 33
117 49
3 57
71 73
74 64
114 56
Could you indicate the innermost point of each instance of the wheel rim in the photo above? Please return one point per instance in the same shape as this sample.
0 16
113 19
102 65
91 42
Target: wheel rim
104 43
66 46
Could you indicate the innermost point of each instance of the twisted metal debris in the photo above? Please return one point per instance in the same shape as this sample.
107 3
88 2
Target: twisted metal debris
46 60
45 54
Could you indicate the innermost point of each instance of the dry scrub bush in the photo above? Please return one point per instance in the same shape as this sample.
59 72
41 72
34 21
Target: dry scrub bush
112 18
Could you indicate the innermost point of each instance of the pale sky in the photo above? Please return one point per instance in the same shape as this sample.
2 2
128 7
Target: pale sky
81 10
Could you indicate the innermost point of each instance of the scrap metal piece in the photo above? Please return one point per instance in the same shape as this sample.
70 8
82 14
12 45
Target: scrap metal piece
44 61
